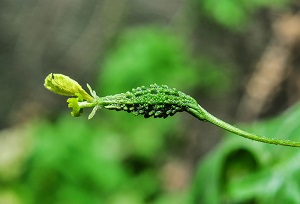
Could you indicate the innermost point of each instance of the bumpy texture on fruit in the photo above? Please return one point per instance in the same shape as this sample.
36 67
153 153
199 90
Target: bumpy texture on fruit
157 101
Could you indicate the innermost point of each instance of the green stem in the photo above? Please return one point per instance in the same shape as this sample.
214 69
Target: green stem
203 115
86 104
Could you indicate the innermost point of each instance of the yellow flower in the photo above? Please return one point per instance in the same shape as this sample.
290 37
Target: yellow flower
64 85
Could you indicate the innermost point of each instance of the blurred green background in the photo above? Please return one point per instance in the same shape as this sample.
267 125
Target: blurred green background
239 59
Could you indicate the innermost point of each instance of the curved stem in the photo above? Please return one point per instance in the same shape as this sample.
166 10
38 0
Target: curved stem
202 114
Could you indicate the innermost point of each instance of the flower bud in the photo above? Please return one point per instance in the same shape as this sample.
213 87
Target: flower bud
64 85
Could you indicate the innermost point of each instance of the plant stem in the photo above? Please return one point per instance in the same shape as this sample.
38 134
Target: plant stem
203 115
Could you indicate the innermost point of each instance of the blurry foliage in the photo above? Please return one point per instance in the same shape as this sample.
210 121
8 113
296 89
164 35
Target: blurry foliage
232 13
116 157
80 161
144 56
242 171
147 55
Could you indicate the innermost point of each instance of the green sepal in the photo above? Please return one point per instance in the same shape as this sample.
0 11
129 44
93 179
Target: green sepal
73 103
93 112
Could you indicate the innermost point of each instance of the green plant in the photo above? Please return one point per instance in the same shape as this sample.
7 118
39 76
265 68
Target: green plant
156 101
